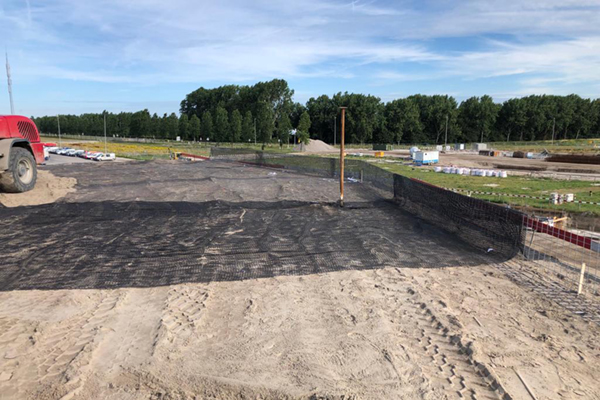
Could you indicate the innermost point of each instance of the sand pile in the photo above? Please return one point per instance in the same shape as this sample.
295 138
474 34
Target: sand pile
315 146
48 189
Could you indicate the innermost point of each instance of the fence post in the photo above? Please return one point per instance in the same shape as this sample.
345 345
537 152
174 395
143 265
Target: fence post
581 277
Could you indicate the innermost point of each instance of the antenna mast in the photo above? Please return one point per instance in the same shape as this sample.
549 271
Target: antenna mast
12 106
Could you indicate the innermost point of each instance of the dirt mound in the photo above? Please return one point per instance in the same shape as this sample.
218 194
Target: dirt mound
48 189
315 146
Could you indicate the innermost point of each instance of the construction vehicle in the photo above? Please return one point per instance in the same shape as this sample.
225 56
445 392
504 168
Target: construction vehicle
20 152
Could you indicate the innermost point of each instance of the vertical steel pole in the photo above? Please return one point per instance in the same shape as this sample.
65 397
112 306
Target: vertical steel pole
10 95
105 150
446 136
58 121
342 142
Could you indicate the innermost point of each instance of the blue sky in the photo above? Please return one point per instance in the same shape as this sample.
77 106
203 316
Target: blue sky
75 56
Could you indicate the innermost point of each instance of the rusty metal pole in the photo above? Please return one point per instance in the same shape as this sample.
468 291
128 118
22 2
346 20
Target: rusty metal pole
342 141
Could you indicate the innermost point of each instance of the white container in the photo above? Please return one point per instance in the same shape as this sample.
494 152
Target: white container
569 197
439 147
427 157
488 172
447 170
453 170
495 174
437 169
503 174
479 146
447 148
412 151
459 171
459 146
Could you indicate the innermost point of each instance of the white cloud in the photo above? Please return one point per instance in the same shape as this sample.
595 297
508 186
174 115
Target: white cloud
539 44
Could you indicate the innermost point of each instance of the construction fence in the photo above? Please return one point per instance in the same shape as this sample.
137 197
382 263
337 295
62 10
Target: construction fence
493 229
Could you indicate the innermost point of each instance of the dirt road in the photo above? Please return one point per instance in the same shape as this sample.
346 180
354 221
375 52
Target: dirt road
167 280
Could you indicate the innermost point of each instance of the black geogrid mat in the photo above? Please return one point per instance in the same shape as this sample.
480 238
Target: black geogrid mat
142 244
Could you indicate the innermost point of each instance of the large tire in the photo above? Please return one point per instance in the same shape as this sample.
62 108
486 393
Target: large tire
21 174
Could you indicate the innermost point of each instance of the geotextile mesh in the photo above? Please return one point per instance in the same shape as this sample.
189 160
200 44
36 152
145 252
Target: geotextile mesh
489 227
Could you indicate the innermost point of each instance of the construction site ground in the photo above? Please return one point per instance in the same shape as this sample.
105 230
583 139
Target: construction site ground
215 280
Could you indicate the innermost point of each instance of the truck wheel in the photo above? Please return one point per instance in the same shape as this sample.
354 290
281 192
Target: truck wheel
22 172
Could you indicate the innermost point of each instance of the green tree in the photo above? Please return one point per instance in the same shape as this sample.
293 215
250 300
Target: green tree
248 127
303 128
221 125
511 119
193 130
402 122
206 126
264 122
172 126
236 126
184 126
140 124
284 126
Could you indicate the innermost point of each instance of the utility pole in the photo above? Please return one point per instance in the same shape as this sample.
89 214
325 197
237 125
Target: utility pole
58 120
105 150
553 127
446 138
255 131
10 96
342 142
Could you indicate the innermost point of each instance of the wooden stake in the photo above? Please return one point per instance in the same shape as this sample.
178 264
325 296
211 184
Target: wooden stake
526 386
581 278
342 142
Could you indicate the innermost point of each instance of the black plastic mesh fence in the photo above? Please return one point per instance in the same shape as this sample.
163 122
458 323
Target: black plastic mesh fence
484 225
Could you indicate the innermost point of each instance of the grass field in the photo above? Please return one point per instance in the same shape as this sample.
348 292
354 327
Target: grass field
541 187
155 150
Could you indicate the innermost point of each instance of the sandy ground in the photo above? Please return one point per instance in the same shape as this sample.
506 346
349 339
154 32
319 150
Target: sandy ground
48 189
315 146
412 315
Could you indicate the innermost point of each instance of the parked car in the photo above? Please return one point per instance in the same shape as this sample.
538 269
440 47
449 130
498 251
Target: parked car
53 149
90 155
105 157
62 151
79 153
71 153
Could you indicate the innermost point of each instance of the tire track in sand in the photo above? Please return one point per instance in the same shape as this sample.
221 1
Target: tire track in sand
445 361
182 311
67 349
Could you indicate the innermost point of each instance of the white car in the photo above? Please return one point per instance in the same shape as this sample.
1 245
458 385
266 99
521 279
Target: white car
105 157
71 153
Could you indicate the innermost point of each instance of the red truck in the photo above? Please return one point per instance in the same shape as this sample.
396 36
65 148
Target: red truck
20 151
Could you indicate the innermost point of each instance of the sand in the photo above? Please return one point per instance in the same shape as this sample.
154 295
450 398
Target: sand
315 146
48 189
457 326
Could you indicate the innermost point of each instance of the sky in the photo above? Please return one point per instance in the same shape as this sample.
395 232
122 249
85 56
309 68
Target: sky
76 56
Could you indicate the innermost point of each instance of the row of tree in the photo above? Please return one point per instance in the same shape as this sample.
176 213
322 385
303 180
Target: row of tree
265 112
439 118
220 127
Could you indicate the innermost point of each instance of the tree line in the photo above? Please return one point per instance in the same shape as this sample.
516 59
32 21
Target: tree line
265 113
